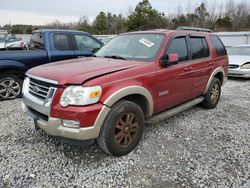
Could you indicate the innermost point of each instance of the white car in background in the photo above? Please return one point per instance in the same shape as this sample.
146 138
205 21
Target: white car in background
239 61
11 43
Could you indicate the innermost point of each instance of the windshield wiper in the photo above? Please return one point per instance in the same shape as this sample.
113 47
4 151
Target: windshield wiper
115 57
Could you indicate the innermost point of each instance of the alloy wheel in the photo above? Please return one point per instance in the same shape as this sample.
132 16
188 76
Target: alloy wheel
126 129
215 93
9 88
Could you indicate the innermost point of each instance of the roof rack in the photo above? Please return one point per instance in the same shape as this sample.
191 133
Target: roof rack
194 29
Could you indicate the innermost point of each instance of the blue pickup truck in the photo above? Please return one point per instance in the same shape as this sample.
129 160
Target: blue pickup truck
45 46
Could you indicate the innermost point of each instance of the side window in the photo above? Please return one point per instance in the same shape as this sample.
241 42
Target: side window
61 42
178 46
86 43
206 49
218 45
199 47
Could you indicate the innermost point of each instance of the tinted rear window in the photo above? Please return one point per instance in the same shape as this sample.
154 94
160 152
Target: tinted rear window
218 45
37 41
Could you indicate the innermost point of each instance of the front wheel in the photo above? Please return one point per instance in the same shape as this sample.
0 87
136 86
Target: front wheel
212 97
122 129
10 86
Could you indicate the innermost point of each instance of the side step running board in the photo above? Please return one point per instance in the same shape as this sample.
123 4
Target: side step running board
173 111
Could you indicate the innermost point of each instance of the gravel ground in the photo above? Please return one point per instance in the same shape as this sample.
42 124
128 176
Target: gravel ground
196 148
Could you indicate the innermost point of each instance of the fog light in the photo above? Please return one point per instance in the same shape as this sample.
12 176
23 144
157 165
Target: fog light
71 123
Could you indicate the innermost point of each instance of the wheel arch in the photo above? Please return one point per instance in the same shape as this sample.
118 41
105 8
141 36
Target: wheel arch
217 73
12 71
138 94
12 67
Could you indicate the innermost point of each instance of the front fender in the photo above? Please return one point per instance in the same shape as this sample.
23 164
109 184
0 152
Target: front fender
130 90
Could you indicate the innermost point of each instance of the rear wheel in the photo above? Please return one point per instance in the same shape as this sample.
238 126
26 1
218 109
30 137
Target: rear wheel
212 97
122 129
10 86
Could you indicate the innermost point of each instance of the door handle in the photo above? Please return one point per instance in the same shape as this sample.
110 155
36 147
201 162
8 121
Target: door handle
189 68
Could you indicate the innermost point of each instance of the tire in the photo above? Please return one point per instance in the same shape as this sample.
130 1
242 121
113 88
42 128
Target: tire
10 86
212 96
122 129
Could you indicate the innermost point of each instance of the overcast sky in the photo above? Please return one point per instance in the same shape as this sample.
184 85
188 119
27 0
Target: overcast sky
46 11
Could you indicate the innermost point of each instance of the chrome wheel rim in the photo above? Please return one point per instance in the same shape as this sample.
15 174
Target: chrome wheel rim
126 129
215 93
9 88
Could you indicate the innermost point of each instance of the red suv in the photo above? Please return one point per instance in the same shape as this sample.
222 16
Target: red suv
137 77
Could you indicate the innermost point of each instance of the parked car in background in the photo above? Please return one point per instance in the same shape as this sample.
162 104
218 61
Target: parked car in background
11 43
45 46
239 61
136 77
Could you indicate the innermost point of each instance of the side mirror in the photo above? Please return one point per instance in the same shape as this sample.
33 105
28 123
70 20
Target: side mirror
170 60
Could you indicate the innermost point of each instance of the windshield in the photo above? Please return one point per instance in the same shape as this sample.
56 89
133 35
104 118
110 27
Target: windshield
142 47
239 51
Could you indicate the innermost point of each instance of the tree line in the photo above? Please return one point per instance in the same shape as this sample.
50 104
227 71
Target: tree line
230 16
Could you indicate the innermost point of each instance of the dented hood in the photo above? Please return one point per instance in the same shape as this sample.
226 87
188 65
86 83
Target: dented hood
77 71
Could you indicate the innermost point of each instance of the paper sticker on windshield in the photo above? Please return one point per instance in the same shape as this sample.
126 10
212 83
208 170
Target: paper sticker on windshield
146 42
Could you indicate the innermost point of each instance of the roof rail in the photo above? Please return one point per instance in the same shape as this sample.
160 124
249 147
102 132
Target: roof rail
194 29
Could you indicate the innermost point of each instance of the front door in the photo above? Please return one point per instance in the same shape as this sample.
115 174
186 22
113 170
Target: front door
175 82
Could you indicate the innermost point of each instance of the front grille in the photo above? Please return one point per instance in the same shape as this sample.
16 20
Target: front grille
232 66
40 89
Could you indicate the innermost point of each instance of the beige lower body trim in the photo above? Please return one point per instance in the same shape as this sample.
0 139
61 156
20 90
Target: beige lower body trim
217 70
130 90
54 127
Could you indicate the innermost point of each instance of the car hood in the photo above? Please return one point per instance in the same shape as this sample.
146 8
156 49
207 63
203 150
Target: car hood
238 59
77 71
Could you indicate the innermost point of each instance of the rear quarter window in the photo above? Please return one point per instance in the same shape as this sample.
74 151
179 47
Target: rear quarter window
218 45
37 41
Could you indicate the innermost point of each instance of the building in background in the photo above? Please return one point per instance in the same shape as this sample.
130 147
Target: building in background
3 32
234 38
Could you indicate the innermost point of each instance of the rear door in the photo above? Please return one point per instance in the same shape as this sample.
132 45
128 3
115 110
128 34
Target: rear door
175 82
220 55
202 64
85 45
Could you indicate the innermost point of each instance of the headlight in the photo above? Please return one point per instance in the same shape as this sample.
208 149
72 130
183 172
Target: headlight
80 96
245 66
